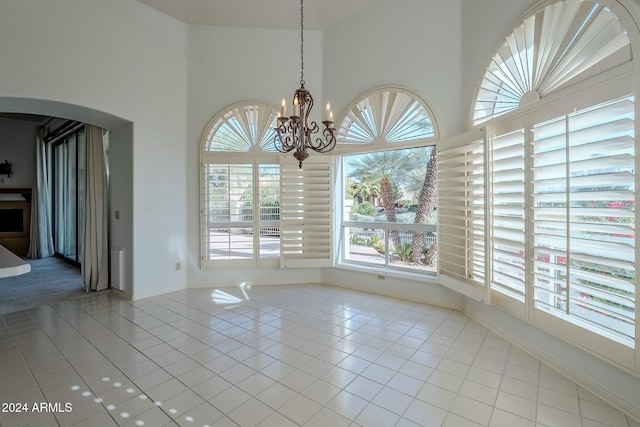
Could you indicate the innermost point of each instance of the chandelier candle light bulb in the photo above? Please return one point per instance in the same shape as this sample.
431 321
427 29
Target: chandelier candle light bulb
328 114
296 106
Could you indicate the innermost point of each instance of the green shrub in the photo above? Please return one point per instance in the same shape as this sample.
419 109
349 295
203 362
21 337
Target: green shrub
366 208
404 251
377 244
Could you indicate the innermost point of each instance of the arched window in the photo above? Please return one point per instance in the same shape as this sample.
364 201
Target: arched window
388 182
244 127
540 205
387 115
258 208
557 46
240 188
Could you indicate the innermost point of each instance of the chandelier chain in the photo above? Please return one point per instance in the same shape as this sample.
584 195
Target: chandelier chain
301 42
297 132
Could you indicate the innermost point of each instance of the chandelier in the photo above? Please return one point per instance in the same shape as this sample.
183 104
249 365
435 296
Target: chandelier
296 132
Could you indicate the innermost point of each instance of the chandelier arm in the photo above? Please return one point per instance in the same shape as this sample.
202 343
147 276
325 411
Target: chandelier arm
312 128
329 139
324 144
283 141
283 146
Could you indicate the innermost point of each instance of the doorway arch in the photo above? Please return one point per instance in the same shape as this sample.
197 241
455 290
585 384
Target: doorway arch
121 163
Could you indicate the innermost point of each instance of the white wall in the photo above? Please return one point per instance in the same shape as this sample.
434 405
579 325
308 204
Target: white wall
121 196
17 139
411 43
112 62
229 65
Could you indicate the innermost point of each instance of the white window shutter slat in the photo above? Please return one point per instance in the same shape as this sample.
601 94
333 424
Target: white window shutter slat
549 50
462 235
584 228
305 212
507 212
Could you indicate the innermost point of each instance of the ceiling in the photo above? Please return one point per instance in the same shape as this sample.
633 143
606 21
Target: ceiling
275 14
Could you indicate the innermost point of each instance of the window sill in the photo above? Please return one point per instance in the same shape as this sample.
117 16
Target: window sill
430 279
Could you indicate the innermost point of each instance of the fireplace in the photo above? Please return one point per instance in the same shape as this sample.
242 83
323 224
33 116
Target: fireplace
11 220
15 218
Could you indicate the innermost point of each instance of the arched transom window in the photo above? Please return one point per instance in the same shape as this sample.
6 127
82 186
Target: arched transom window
386 116
243 127
566 42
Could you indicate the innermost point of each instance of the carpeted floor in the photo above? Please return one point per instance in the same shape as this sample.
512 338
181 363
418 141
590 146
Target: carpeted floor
50 280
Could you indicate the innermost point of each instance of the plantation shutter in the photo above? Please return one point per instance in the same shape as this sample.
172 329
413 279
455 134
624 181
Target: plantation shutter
462 236
507 212
305 212
554 48
584 217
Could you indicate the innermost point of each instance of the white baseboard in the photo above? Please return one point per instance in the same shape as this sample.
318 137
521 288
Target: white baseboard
123 294
231 284
156 292
417 289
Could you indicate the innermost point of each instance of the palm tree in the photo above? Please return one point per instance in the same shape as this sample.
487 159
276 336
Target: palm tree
385 168
426 204
366 191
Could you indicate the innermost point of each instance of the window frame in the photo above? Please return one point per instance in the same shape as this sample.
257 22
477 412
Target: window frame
305 217
613 84
74 167
599 83
247 125
256 261
377 144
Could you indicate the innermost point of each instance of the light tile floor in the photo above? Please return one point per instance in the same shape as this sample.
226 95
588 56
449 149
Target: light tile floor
310 355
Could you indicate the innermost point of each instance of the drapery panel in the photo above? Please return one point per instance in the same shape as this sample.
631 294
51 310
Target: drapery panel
40 237
95 248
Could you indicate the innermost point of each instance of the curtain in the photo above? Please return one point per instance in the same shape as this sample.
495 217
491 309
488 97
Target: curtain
40 236
95 247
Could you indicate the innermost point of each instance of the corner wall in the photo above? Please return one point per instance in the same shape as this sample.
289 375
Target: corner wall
17 145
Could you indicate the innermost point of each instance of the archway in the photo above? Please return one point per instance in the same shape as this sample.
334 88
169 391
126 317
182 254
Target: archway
121 164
